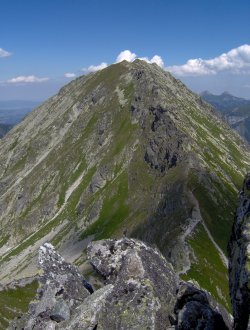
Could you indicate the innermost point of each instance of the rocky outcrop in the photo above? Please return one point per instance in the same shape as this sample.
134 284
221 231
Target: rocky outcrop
195 309
239 260
62 289
165 145
141 291
144 284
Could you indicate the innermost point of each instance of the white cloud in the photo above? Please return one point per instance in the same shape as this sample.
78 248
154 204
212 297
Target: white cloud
4 53
26 79
126 55
158 60
69 75
155 59
94 68
236 61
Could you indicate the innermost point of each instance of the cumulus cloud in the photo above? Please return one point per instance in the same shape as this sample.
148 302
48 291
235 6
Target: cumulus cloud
155 59
69 75
26 79
94 68
4 53
126 55
236 61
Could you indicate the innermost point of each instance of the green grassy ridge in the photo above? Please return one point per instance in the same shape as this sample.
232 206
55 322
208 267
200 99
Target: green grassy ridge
15 301
209 264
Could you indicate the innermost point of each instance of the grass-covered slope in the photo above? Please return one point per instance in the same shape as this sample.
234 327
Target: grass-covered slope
127 150
14 301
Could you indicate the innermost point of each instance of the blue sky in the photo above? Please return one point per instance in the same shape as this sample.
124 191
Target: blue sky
41 41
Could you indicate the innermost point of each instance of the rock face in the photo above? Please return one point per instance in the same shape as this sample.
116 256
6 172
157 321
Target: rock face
61 290
144 283
195 309
239 260
141 291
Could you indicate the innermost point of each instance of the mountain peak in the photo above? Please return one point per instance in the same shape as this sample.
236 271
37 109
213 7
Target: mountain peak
225 93
126 150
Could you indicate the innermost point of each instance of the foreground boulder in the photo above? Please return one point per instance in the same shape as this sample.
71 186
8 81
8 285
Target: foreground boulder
61 290
195 309
141 291
145 284
239 260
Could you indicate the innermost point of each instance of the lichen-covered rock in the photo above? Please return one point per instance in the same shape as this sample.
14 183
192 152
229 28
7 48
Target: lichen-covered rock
142 292
195 309
61 290
239 260
86 316
144 284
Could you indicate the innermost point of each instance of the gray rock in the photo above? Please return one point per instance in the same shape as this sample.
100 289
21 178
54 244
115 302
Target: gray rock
61 290
145 284
239 260
86 316
195 309
141 292
60 311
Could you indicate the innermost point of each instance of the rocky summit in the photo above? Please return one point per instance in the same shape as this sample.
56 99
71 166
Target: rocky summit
141 291
128 150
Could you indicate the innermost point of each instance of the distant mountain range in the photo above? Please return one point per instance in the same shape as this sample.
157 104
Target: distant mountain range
12 112
235 110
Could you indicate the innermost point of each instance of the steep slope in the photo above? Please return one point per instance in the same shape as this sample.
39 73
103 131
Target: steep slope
235 110
131 150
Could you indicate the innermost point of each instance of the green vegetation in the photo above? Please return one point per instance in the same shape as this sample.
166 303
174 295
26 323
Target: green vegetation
208 269
108 77
114 211
34 202
15 301
4 240
217 212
